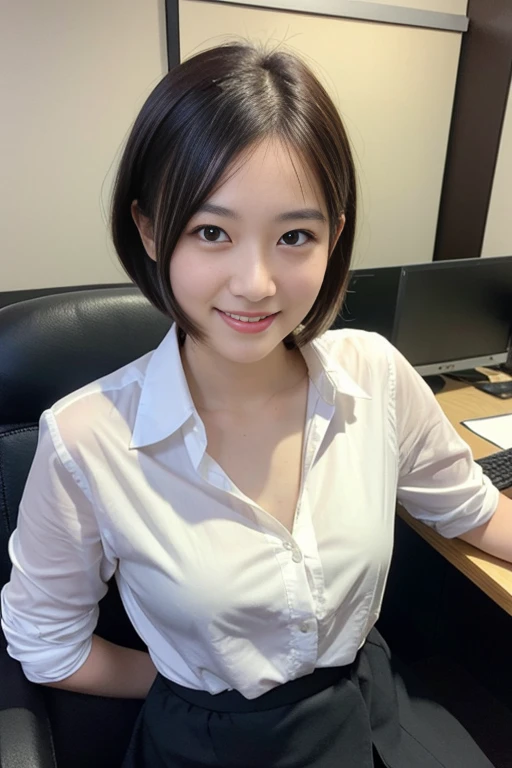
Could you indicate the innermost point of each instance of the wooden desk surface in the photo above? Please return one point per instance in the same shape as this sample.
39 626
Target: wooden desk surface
461 401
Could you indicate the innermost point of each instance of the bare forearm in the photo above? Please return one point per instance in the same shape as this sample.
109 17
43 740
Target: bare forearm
111 670
495 536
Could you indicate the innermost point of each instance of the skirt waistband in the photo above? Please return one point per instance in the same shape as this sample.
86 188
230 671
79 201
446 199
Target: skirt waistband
287 693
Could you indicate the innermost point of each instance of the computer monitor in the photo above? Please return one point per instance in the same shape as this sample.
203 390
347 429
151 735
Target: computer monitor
444 316
371 299
454 315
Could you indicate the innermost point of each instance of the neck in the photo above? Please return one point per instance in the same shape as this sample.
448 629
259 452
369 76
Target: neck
219 384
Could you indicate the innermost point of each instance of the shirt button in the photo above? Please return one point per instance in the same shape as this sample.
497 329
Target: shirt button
297 556
304 627
287 545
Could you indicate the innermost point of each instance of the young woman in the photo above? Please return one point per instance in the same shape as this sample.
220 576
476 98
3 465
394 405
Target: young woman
240 481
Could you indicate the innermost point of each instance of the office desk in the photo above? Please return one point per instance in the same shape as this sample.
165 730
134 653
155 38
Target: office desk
461 401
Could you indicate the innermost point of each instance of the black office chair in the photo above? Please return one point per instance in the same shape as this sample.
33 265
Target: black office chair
50 346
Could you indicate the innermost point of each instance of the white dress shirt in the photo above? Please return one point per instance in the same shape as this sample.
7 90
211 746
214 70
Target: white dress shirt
221 593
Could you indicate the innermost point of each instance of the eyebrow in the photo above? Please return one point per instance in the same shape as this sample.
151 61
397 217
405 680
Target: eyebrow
311 214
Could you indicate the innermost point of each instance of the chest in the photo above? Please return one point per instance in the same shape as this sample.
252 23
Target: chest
262 453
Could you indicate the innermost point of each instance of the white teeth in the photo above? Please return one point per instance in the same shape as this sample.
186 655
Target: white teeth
246 319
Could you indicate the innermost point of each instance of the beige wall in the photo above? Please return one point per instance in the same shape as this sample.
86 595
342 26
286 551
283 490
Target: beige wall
498 229
442 6
73 76
394 87
72 79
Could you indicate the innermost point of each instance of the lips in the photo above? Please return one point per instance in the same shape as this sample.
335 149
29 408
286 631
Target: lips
248 318
244 315
250 324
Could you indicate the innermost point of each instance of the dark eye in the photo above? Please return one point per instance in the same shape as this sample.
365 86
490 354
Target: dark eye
294 237
212 234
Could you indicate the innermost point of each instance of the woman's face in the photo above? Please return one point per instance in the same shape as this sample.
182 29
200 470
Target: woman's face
258 247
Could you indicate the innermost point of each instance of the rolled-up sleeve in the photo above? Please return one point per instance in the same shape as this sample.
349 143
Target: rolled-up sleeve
439 482
49 608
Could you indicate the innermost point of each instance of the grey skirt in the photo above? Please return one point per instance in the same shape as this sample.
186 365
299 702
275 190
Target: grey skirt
368 714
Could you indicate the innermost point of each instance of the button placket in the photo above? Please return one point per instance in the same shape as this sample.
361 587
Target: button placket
297 556
296 553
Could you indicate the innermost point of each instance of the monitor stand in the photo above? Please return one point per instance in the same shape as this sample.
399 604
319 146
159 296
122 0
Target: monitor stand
436 383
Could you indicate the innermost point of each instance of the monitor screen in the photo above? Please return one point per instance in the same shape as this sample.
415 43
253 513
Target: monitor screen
457 313
370 302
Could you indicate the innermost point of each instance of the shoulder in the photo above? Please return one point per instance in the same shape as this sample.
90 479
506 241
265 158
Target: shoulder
101 404
361 354
358 363
361 342
374 362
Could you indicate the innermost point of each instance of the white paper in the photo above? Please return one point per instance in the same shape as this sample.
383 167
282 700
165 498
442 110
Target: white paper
495 429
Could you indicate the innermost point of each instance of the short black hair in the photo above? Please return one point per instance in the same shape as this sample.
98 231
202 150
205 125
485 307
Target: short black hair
193 125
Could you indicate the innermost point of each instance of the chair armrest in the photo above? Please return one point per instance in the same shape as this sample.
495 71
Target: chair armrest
25 733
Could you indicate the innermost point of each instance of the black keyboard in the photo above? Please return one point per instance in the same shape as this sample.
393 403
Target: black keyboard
498 468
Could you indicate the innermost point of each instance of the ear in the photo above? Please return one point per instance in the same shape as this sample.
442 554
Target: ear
145 228
338 232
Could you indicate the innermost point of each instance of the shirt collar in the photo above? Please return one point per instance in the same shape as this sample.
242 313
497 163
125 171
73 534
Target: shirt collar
328 375
166 403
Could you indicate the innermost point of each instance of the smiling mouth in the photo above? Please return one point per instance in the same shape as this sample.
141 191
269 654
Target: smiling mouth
247 318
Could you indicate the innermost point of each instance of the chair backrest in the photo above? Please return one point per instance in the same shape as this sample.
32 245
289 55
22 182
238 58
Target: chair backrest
50 346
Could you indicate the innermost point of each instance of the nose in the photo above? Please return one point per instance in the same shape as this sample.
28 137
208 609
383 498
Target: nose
252 277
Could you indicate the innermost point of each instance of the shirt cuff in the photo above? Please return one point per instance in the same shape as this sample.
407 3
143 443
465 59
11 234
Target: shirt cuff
482 507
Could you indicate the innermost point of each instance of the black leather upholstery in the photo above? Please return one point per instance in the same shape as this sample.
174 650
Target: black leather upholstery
52 345
25 733
49 347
